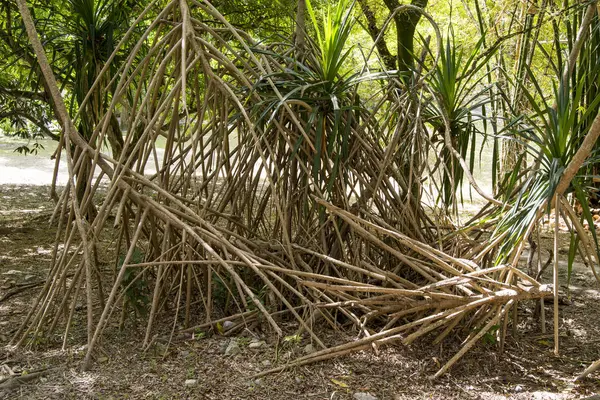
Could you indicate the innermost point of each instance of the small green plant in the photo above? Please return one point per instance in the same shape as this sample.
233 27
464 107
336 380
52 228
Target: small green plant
24 132
153 365
137 292
490 337
293 339
199 335
222 292
191 373
260 295
37 339
25 149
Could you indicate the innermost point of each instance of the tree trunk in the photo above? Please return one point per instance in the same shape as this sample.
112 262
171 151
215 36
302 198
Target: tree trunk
115 137
300 30
406 23
389 61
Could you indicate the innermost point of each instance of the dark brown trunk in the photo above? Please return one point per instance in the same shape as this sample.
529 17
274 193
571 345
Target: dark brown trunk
389 61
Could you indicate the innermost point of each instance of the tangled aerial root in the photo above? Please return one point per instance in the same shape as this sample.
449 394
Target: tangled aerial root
233 204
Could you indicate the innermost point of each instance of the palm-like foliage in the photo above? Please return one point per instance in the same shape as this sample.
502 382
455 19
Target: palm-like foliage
337 22
459 99
552 135
91 30
323 96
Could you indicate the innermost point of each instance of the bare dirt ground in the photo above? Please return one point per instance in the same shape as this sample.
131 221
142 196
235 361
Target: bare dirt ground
526 370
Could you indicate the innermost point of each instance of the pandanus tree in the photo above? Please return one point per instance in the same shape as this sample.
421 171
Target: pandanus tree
333 127
281 190
277 185
459 95
91 29
322 92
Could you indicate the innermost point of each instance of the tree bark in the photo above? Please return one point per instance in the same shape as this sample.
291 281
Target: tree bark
579 158
406 24
115 137
389 61
300 30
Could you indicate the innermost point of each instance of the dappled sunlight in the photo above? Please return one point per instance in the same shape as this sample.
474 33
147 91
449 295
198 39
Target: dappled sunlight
25 174
83 382
32 169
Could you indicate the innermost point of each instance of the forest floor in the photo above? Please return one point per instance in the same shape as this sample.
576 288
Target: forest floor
526 370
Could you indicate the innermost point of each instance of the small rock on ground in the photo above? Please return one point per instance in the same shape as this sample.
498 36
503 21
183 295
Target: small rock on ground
257 345
518 388
191 382
363 396
184 354
309 348
233 348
